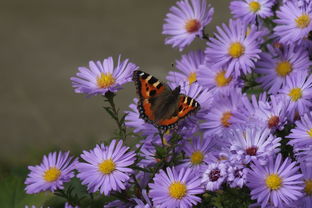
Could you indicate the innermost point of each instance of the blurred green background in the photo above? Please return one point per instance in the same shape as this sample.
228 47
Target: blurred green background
42 44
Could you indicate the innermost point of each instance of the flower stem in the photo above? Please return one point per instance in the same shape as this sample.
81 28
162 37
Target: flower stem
114 113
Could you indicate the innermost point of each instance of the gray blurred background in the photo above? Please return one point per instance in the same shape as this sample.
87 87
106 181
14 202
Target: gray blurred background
42 44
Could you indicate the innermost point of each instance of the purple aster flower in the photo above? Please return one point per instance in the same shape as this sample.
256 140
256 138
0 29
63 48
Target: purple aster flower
306 200
188 65
278 183
301 135
237 175
263 113
298 92
253 143
273 113
106 167
214 175
185 21
224 114
103 77
173 189
304 155
278 64
215 79
293 23
249 10
51 174
198 152
233 49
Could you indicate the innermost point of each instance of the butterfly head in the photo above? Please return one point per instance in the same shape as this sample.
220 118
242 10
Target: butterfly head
176 91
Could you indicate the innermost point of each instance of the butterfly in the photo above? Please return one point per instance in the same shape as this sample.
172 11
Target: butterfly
159 104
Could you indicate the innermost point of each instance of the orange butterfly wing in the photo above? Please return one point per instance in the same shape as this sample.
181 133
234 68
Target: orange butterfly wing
186 106
147 87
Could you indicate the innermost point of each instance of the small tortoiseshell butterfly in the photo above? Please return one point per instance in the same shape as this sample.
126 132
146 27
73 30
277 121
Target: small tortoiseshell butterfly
158 104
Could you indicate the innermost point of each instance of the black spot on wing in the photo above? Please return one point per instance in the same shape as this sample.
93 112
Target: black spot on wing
152 92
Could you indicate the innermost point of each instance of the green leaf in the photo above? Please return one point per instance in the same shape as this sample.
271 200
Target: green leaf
12 194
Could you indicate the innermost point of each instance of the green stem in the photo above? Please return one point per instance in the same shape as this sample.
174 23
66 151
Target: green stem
161 134
113 112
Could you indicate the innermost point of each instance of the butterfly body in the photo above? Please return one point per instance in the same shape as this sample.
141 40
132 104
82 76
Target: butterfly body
158 104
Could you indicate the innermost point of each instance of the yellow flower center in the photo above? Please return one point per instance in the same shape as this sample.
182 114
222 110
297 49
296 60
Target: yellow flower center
295 94
236 49
192 25
177 190
273 181
225 119
309 132
107 166
254 6
303 21
283 68
192 77
308 187
197 157
52 174
221 80
105 80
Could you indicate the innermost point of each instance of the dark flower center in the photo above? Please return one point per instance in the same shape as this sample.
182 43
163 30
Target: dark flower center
273 121
252 151
238 173
214 175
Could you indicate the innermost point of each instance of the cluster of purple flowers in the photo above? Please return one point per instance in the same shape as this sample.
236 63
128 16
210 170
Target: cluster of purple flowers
254 87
